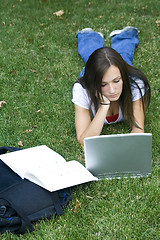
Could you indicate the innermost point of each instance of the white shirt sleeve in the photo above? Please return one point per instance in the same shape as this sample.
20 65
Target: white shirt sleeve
136 92
80 96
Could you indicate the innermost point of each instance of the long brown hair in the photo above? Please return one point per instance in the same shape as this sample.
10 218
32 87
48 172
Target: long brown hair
96 66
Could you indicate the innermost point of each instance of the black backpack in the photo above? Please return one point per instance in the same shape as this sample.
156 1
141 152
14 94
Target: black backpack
22 202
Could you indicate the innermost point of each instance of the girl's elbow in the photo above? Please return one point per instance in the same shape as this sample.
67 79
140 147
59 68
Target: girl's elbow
137 130
81 141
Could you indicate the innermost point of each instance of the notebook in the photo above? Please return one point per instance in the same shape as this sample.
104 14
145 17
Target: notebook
117 155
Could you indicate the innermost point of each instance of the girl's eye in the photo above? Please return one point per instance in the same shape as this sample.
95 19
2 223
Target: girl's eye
117 80
103 84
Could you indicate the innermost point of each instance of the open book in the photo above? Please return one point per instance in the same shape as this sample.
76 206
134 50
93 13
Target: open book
47 168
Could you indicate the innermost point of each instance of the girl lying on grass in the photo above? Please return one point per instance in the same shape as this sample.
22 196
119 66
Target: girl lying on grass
109 88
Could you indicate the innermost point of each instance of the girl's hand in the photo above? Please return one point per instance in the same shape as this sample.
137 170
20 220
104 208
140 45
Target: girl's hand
105 100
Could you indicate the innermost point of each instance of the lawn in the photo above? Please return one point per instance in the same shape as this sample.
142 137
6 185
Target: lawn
39 63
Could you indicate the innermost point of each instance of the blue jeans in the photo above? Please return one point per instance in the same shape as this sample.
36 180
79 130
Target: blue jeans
124 43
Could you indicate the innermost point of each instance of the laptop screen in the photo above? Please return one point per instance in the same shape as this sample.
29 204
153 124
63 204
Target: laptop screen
117 155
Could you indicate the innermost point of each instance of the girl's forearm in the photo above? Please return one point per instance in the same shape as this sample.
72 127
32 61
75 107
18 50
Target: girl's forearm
96 125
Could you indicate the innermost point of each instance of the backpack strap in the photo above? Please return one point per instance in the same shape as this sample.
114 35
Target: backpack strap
24 219
57 203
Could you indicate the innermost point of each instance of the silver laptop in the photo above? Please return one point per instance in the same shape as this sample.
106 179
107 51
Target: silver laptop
117 155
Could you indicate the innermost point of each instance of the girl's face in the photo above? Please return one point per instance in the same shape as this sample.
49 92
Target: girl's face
112 84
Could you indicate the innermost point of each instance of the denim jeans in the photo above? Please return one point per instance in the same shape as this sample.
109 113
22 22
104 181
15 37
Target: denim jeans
124 43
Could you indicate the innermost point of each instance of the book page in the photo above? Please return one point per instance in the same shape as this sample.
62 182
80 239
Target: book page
25 160
47 168
60 175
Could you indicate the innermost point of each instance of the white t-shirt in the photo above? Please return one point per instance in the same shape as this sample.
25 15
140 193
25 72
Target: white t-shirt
81 98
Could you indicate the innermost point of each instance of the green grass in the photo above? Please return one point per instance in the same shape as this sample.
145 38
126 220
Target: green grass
39 63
